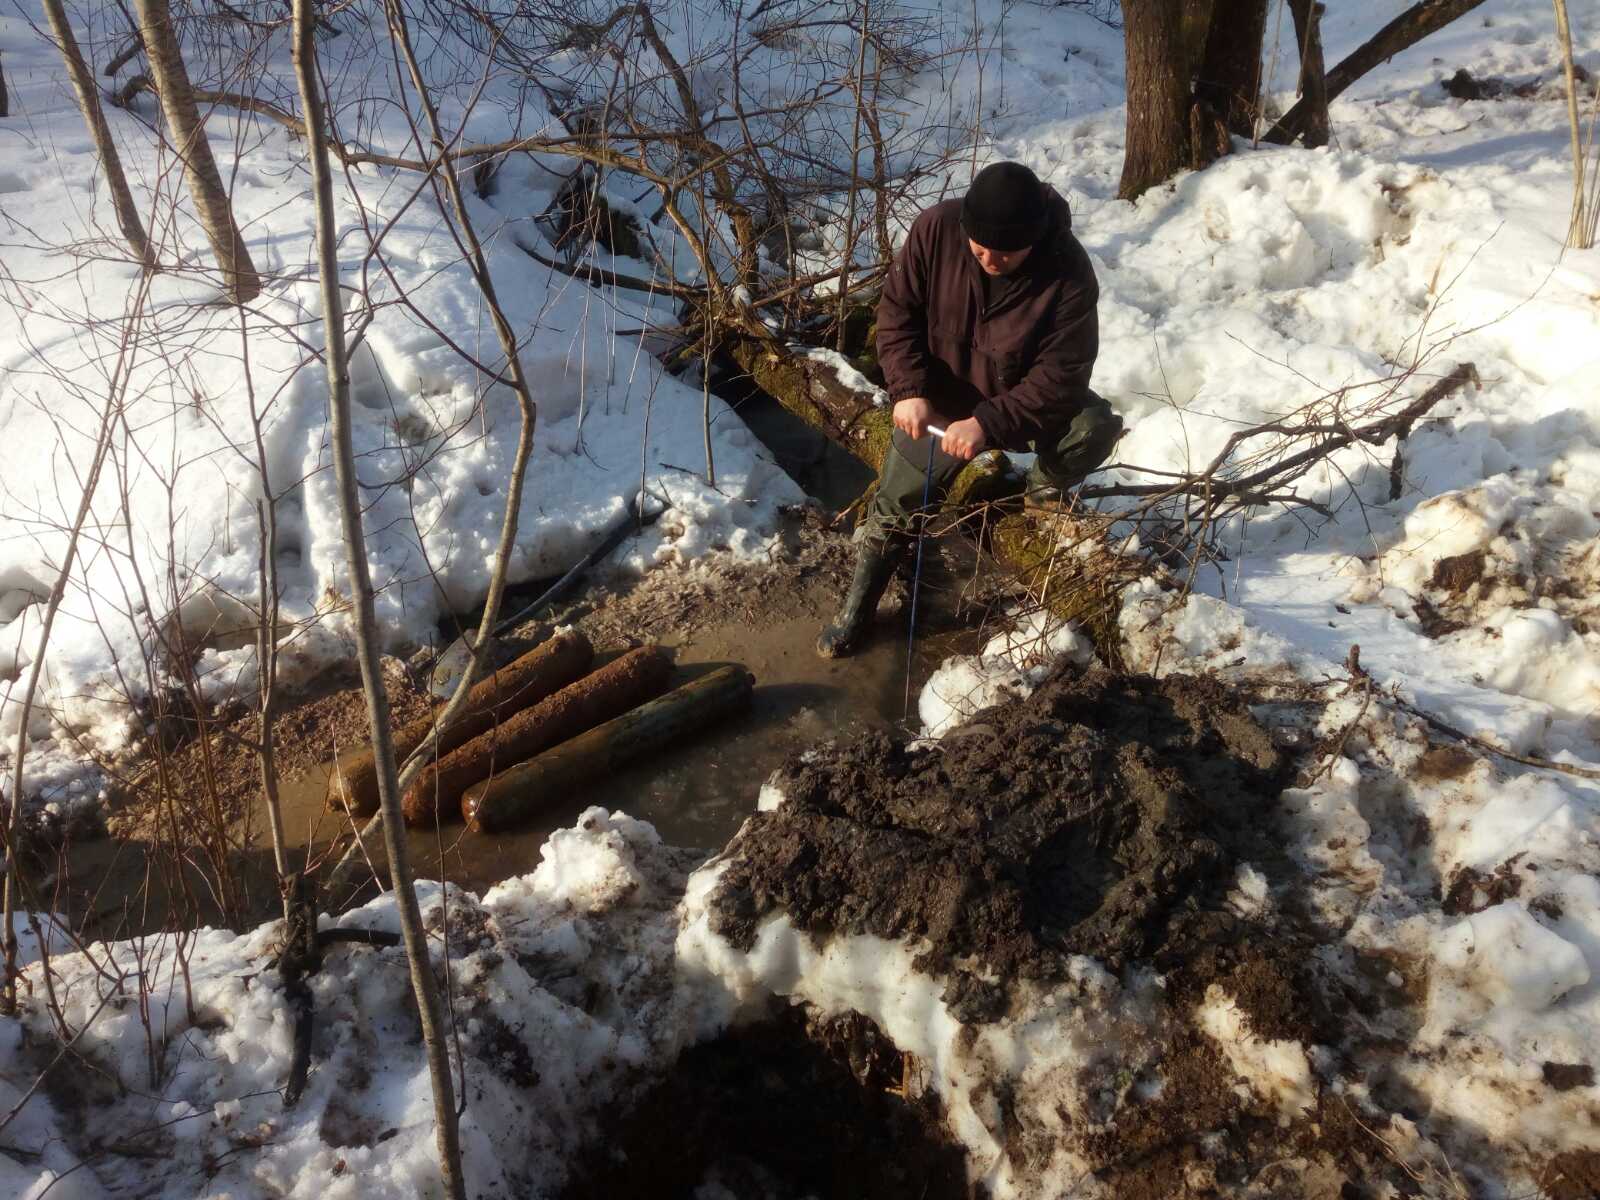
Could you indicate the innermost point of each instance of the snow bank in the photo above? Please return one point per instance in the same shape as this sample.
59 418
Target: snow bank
563 984
434 429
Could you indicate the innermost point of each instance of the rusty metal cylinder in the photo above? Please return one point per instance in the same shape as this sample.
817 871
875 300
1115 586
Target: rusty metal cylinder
544 670
632 679
515 794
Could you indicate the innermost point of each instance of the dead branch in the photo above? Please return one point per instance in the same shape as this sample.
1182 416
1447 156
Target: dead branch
1410 27
1261 486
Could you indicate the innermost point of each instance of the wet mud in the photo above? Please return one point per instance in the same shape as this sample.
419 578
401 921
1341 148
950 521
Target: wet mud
1106 815
798 1106
1101 816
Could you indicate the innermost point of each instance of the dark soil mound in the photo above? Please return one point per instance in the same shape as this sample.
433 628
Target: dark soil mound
796 1106
1104 815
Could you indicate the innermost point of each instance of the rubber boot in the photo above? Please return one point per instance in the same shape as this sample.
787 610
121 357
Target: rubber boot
1040 493
876 561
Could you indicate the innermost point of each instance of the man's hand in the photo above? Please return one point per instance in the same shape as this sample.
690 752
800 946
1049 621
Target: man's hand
964 439
911 416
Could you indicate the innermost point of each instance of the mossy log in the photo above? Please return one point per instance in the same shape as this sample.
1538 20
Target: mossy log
812 390
1080 582
353 782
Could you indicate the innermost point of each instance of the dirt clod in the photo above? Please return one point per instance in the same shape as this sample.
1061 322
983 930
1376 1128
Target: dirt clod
1574 1175
1472 891
1563 1077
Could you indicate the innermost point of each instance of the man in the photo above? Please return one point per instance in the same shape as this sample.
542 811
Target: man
986 327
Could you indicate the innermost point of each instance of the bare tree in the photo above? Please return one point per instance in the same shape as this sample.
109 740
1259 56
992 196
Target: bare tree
189 137
110 411
1158 95
1581 231
1172 125
429 1006
1313 87
83 84
1229 75
1409 28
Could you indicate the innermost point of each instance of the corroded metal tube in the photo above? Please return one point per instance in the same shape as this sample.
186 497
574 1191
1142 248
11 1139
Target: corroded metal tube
515 794
632 679
353 782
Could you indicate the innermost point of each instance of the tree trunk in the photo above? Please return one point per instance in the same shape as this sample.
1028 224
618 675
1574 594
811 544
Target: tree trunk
189 137
430 1010
5 97
1229 76
1406 30
1313 75
1158 95
110 162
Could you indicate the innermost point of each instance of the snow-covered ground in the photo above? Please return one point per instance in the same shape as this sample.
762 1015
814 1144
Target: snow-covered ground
1432 226
173 537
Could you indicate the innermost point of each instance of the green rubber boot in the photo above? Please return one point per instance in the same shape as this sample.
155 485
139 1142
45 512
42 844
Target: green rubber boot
876 561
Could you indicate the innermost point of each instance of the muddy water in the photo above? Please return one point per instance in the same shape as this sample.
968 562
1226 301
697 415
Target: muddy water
697 794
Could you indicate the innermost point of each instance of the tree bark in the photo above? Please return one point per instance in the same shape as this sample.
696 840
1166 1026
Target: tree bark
1406 30
1313 74
429 1005
94 117
1229 75
189 137
1158 95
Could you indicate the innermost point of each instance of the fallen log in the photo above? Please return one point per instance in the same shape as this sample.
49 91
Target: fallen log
632 679
514 795
812 390
353 782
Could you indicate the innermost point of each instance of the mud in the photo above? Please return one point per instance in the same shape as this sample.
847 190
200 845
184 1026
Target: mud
790 1108
1105 815
1574 1175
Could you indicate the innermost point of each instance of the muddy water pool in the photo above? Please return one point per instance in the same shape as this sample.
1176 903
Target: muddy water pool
699 793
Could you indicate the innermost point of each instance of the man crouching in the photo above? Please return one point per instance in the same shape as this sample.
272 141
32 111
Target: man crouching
986 326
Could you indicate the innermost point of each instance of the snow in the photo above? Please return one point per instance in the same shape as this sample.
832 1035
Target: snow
563 982
1277 1069
1011 664
1511 960
434 431
1429 234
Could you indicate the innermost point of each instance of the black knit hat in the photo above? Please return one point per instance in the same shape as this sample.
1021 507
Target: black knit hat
1004 208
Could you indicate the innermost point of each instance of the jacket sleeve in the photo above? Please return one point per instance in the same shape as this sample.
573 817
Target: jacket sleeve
1053 390
903 319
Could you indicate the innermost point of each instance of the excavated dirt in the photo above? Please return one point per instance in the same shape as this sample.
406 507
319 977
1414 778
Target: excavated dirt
1105 815
793 1107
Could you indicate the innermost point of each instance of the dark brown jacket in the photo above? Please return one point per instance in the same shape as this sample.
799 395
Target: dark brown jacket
1020 365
